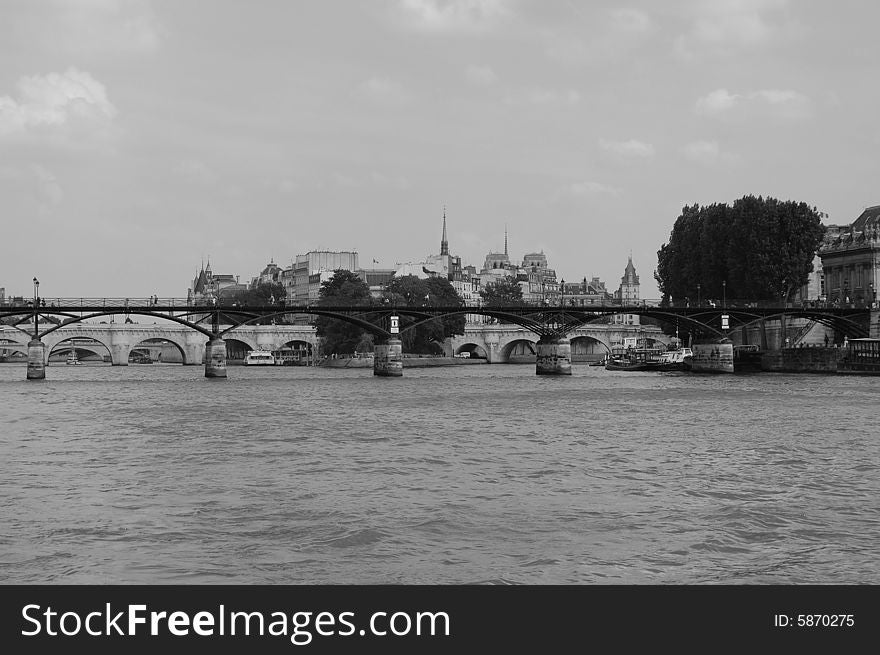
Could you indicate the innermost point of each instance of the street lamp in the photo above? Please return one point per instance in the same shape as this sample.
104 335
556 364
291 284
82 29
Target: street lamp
562 288
698 295
36 292
723 294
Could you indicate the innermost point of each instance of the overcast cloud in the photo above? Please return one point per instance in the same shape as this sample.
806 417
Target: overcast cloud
138 137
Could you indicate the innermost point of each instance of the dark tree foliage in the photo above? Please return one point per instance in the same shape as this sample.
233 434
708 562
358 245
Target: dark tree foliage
264 294
756 249
347 289
411 291
506 292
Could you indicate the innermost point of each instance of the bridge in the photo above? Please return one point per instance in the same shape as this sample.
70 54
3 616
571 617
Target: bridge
209 326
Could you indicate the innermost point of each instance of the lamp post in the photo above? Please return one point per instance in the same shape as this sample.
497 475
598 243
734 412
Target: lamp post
723 294
562 289
698 295
36 306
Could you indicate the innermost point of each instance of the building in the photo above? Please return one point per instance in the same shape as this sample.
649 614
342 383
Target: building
627 294
271 274
287 281
850 258
207 285
376 279
585 293
316 261
443 265
538 280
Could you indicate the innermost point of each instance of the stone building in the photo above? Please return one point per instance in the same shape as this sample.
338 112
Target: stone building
207 285
851 260
628 294
313 262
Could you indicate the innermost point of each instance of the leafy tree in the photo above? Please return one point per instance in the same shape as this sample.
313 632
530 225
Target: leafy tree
412 291
756 249
263 295
339 337
506 292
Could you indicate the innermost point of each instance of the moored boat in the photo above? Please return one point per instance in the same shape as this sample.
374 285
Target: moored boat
259 358
674 360
635 359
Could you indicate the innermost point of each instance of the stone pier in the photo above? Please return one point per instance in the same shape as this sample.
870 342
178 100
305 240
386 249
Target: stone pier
388 358
554 357
215 358
36 360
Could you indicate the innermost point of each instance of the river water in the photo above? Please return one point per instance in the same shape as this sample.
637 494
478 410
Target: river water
469 474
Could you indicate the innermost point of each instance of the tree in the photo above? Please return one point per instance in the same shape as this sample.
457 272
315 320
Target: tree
506 292
756 249
347 289
411 291
265 293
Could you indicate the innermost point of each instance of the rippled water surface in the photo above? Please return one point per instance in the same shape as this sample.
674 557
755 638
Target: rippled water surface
470 474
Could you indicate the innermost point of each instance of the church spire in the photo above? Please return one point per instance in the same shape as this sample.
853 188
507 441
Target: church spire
444 244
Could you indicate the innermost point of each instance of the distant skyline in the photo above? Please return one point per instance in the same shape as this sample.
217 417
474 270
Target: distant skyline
139 137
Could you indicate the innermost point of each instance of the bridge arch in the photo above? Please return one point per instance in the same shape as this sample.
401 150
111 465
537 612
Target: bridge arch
165 317
475 350
587 348
237 347
75 343
9 348
153 348
519 349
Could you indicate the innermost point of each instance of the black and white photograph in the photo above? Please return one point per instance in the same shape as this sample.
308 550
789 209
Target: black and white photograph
435 294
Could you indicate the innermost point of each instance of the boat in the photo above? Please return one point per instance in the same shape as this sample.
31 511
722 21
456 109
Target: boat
72 359
674 360
635 359
259 358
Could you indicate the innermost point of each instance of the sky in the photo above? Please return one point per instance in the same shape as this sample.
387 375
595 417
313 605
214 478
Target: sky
139 138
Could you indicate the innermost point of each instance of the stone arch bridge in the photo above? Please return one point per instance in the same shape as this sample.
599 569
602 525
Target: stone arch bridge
121 338
498 343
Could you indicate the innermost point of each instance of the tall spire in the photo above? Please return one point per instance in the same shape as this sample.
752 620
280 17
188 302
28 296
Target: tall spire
444 244
505 239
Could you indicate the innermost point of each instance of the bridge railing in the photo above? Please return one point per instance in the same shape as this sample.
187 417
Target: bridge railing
109 303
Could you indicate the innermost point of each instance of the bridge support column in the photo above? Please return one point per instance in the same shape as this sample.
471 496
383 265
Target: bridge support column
554 357
119 353
215 358
36 360
388 358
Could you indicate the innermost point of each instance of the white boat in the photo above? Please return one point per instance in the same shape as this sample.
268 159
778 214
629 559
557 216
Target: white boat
259 358
674 360
72 359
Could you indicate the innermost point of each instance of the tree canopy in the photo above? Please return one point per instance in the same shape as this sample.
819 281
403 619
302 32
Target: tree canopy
756 249
506 292
340 337
412 291
265 293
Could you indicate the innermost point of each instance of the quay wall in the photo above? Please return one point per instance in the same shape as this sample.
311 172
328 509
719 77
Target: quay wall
802 360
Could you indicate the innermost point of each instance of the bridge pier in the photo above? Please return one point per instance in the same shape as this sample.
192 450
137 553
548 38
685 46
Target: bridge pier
553 357
36 360
215 358
388 358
